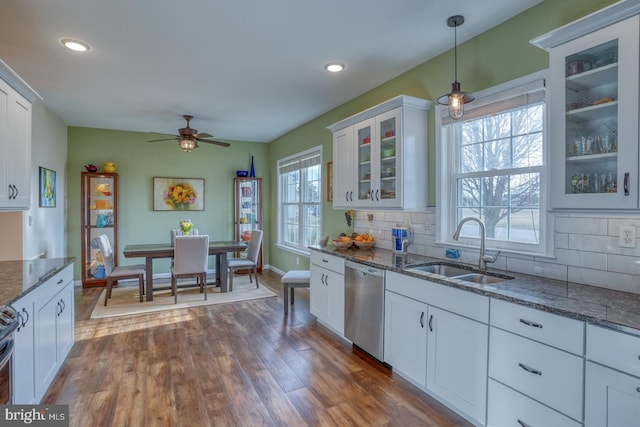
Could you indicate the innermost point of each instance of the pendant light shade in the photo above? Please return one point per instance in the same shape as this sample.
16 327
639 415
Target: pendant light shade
456 99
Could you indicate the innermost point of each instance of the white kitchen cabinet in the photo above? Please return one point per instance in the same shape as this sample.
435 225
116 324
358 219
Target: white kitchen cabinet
437 338
54 328
23 360
15 149
457 361
380 156
405 344
593 95
612 396
326 290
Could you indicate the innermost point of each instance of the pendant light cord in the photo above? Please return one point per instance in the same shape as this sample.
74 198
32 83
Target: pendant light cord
455 50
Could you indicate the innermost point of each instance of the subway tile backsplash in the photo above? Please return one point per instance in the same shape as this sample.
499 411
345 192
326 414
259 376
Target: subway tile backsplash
585 247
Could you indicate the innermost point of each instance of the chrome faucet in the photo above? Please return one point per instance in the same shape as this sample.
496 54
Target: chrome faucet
483 259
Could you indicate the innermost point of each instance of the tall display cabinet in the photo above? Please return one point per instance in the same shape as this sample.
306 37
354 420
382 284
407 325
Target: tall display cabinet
99 215
247 210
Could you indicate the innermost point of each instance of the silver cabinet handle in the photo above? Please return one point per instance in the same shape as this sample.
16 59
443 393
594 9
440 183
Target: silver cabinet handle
25 318
431 323
522 423
59 281
530 323
626 183
422 319
377 199
530 370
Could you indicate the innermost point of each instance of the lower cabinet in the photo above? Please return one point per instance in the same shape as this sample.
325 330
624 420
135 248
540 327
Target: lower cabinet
444 352
47 338
23 361
326 290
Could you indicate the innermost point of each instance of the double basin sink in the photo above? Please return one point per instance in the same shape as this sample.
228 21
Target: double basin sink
455 271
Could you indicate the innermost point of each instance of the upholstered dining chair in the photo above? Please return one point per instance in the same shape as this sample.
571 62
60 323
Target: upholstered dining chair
250 262
115 273
177 232
190 259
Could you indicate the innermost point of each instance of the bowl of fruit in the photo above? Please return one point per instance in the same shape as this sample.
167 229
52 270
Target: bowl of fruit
342 242
364 240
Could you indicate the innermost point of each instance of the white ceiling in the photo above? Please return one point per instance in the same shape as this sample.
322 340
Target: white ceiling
246 69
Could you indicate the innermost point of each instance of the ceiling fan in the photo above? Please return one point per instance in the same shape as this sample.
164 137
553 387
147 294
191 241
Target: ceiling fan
188 138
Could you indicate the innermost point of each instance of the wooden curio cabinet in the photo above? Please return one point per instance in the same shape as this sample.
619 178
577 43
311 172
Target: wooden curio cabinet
99 215
247 210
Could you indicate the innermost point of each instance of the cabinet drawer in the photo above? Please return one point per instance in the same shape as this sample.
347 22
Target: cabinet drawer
508 408
54 284
611 398
557 331
616 349
329 262
464 303
546 374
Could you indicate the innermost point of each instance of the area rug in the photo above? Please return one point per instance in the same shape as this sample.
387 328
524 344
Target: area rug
125 301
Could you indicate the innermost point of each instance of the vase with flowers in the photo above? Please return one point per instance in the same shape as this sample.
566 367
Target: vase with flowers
186 225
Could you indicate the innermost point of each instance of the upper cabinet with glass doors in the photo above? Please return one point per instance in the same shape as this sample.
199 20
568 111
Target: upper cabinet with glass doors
380 156
594 119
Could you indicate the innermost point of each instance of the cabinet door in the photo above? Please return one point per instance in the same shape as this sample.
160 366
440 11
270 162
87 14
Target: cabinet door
4 145
405 343
23 380
387 184
45 345
64 323
319 293
335 301
612 399
366 165
19 150
594 126
457 361
344 181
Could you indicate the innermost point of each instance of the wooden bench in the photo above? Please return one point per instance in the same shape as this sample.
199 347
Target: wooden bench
294 279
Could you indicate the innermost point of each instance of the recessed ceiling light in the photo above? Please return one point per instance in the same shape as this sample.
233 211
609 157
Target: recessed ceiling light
76 45
334 67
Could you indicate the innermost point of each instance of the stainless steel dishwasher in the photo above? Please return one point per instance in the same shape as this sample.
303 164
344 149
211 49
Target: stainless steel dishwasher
364 307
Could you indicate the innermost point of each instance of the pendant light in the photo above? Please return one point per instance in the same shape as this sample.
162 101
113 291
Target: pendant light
456 98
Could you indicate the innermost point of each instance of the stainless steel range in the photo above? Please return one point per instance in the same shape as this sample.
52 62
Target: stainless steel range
9 322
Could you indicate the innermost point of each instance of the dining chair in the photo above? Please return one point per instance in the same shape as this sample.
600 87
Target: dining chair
190 259
177 232
115 273
250 262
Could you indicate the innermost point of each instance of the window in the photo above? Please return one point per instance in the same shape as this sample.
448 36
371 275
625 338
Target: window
493 167
299 200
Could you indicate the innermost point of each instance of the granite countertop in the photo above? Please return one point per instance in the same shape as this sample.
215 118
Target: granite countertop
18 278
613 309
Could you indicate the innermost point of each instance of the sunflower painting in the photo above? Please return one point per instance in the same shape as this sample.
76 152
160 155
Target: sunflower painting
178 194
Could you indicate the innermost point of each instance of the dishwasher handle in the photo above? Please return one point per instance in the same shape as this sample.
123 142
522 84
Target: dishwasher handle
364 269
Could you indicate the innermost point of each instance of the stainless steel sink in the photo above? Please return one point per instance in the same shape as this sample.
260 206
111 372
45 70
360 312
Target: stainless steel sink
441 269
482 278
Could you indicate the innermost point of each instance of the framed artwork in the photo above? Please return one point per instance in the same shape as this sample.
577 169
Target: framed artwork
47 188
178 194
329 181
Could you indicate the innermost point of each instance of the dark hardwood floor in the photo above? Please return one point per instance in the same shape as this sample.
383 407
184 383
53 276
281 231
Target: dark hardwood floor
238 364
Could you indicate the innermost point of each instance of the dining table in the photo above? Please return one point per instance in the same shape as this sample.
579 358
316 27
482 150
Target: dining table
151 251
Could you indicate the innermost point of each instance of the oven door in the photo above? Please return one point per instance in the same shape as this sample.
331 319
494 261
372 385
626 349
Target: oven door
6 356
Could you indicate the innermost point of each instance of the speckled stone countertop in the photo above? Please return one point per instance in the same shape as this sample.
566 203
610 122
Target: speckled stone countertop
17 278
613 309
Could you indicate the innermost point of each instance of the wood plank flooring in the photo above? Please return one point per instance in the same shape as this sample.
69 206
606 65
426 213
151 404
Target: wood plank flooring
239 364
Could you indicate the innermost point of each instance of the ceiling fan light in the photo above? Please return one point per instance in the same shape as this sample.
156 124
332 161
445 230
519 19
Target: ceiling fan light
75 45
187 145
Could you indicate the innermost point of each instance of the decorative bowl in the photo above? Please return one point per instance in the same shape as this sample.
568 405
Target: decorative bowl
242 174
339 244
364 244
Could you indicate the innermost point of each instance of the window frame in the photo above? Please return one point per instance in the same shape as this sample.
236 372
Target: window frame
281 241
446 171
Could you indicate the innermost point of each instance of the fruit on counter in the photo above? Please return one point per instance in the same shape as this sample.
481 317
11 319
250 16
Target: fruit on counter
344 239
364 237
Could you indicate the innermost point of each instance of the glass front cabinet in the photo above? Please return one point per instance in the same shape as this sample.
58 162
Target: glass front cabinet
594 119
380 156
99 204
248 210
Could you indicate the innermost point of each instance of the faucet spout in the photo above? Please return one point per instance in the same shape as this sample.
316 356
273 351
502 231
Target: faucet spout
482 259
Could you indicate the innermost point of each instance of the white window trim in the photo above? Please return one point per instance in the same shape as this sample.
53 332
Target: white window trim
279 244
445 188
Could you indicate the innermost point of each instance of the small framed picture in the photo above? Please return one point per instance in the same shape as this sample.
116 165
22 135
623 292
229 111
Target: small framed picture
47 188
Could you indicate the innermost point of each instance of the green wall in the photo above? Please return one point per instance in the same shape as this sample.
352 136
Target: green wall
496 56
138 161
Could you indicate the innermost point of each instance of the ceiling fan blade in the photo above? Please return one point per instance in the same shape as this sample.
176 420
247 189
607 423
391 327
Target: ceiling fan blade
165 139
210 141
202 135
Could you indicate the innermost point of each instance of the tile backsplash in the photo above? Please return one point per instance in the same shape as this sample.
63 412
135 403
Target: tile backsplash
585 246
